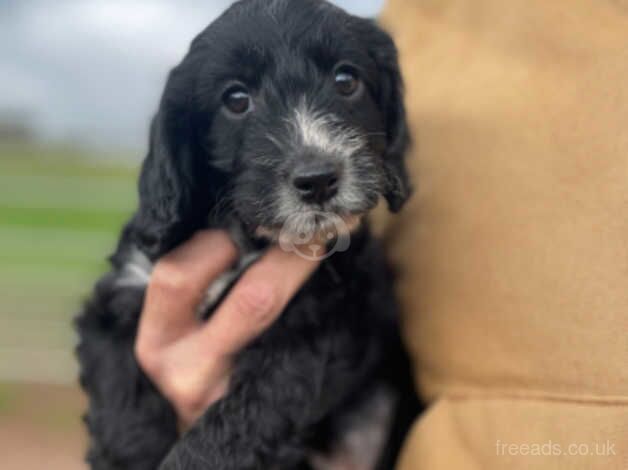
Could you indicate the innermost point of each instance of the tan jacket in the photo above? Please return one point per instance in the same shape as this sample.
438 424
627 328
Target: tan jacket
514 250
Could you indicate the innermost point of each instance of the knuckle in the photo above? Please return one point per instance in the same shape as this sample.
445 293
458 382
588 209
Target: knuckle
258 300
171 280
146 358
188 399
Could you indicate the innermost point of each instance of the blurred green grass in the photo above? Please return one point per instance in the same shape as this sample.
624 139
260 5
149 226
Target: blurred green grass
60 213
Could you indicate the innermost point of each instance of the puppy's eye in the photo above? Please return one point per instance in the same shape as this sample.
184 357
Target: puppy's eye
346 81
237 99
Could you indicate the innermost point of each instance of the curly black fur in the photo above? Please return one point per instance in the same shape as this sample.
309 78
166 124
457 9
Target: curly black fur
338 340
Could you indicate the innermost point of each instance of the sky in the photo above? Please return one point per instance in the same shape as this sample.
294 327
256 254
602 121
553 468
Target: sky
91 71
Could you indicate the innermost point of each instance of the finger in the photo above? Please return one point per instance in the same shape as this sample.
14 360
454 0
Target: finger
256 300
180 279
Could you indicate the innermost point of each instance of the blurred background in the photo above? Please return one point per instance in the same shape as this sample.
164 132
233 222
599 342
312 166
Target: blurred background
79 81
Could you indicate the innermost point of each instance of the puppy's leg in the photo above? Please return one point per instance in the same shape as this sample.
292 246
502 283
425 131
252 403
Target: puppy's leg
263 422
130 424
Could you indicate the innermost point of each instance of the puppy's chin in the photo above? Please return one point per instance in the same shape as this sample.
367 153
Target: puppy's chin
311 228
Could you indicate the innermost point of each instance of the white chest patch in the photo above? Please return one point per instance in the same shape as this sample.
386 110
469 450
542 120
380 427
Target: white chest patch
365 438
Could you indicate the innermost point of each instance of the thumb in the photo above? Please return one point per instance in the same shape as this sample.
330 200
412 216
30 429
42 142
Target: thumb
256 301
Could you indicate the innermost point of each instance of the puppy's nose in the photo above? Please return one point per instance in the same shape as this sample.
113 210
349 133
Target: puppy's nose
316 182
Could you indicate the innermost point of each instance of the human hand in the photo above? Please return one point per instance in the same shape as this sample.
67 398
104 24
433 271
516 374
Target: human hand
190 360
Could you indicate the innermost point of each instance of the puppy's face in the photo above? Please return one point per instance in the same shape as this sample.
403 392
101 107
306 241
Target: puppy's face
306 139
295 108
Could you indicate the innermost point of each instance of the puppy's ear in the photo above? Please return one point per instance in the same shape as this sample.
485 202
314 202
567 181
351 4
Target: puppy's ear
171 202
384 52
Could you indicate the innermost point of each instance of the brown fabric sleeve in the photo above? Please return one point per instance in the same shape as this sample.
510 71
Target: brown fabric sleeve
513 252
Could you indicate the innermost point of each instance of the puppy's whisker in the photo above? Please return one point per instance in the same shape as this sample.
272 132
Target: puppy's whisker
265 161
223 204
275 141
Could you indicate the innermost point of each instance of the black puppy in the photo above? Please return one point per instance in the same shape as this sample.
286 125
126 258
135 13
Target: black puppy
284 122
